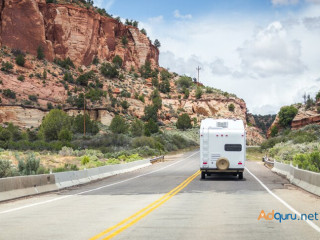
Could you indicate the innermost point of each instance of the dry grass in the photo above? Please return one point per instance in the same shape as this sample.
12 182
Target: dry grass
254 154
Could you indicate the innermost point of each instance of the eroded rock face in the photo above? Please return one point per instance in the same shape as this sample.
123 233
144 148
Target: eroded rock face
68 31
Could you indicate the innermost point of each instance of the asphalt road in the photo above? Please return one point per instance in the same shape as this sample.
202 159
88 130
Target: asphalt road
166 201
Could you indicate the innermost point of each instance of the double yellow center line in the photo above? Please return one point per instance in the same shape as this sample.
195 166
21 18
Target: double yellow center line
124 224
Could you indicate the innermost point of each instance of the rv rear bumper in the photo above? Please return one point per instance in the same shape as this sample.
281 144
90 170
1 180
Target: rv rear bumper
215 170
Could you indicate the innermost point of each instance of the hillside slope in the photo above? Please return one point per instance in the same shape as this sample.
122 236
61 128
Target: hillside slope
83 44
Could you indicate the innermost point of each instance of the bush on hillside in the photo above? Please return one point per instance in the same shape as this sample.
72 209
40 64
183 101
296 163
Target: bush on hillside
109 71
184 122
286 115
118 125
78 125
53 123
137 128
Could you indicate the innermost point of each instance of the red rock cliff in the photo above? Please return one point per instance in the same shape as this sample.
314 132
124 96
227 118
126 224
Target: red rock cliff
69 31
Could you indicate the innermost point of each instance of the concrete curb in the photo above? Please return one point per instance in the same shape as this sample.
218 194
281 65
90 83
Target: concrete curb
307 180
23 186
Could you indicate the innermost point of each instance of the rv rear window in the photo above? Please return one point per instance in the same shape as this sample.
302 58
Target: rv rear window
233 147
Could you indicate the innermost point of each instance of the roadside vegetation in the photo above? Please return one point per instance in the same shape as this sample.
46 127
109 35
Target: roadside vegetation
59 145
301 147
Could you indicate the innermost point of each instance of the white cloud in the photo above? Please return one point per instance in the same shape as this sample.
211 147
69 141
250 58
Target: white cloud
157 19
218 67
267 63
284 2
292 2
313 1
104 4
271 52
177 14
312 23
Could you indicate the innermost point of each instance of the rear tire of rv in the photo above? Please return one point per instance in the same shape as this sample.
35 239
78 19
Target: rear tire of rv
240 175
203 175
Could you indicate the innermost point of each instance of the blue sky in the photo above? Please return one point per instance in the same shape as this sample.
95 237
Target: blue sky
265 51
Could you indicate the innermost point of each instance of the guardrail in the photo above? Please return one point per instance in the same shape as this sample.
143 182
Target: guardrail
268 161
22 186
157 159
309 181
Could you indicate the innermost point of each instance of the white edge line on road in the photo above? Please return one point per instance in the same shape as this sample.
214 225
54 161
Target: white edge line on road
314 226
95 189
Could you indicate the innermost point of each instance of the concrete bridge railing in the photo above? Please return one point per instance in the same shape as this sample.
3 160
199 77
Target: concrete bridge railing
22 186
309 181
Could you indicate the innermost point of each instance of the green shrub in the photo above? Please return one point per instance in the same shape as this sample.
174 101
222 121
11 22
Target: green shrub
199 92
137 128
6 66
85 160
146 70
124 41
29 165
109 71
95 60
274 131
184 122
157 43
308 161
6 169
65 135
20 60
5 135
286 115
21 78
143 141
83 79
66 63
40 52
9 93
49 106
52 124
118 125
68 77
78 124
143 31
117 61
33 98
150 112
151 127
156 99
124 104
186 93
141 98
95 94
184 82
231 107
164 86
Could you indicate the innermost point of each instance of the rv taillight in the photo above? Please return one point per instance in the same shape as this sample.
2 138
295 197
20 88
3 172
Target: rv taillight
205 163
239 163
242 135
221 135
217 135
227 135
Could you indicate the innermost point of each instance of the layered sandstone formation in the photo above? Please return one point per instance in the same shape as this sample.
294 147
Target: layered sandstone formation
303 118
70 31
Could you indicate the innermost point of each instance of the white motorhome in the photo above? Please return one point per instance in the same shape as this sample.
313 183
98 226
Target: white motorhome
222 147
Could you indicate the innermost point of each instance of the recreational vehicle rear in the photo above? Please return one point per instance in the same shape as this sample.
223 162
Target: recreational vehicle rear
222 147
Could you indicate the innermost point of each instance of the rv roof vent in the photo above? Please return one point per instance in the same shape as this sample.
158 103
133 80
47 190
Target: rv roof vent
222 124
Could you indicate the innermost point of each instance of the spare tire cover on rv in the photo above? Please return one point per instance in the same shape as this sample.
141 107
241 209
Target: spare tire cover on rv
222 163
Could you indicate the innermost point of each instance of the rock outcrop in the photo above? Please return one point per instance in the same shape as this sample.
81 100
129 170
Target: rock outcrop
65 30
303 118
